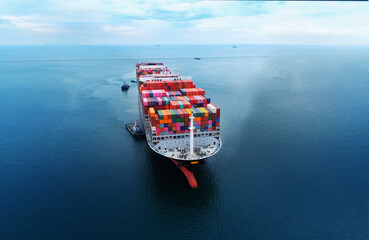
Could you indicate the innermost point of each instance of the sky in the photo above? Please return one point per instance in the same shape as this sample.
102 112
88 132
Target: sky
119 22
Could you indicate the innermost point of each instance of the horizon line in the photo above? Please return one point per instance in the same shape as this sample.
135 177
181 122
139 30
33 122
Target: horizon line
189 44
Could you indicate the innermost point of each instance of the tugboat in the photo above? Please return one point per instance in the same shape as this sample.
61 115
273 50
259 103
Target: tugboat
135 129
125 86
197 58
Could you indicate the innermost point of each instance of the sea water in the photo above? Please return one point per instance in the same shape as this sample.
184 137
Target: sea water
294 162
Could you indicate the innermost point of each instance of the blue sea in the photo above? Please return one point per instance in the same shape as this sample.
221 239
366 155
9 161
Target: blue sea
294 162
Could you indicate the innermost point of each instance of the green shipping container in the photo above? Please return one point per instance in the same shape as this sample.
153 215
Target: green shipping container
202 113
160 113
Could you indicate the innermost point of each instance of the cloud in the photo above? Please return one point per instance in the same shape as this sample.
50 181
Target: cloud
123 30
26 24
177 22
293 23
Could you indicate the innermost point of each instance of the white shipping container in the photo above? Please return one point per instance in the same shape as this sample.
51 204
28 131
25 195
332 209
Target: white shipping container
212 108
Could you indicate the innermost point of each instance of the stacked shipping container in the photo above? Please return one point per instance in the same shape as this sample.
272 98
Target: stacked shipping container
169 105
150 69
174 121
170 85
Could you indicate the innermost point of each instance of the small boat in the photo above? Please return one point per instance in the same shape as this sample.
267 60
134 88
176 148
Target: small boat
125 86
234 46
133 81
197 58
135 129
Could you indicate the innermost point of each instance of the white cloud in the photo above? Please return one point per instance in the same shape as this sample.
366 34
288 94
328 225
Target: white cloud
294 23
27 24
123 30
176 22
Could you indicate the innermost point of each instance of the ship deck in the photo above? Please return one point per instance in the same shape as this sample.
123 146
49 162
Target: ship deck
177 146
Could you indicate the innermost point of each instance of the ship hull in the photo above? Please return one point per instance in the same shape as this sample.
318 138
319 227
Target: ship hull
170 146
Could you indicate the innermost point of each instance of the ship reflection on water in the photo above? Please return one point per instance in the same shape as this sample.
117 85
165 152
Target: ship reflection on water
168 179
167 191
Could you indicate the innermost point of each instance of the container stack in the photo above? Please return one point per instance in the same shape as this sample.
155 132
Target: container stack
157 103
205 119
197 101
216 114
151 70
170 86
173 93
169 104
153 93
178 85
179 104
166 122
192 91
175 121
156 94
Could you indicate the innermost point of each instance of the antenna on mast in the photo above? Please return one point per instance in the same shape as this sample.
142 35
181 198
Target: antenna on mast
191 134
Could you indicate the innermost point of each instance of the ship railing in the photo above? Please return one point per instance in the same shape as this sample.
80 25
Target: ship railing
153 66
157 138
164 78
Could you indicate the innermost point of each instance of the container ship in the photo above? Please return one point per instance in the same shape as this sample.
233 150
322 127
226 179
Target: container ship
179 121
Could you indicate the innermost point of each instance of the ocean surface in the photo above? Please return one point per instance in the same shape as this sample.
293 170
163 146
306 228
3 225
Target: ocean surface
294 162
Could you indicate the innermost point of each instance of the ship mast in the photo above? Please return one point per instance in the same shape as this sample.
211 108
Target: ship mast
191 134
